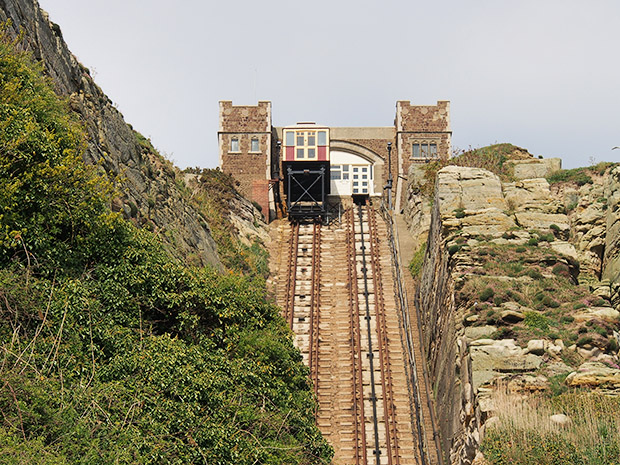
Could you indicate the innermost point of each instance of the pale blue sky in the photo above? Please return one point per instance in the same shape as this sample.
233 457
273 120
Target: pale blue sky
544 74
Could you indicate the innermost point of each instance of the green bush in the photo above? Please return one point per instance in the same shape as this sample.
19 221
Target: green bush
486 294
533 241
584 340
454 249
415 266
114 352
536 320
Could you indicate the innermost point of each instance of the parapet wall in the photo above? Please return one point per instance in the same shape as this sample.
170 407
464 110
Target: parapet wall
447 361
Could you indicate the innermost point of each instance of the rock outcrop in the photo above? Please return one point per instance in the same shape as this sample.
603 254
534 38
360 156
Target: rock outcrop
152 190
501 295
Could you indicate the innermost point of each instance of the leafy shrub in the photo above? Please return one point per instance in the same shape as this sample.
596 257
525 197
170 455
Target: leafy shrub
555 228
520 249
612 345
415 266
533 241
546 237
486 294
584 340
578 176
454 249
550 302
534 273
459 213
536 320
114 352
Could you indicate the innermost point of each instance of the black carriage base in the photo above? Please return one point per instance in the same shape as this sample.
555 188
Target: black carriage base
306 192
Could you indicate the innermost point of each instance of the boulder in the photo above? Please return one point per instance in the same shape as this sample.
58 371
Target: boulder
511 316
501 356
560 419
599 313
531 194
468 188
479 332
540 220
594 374
535 167
565 248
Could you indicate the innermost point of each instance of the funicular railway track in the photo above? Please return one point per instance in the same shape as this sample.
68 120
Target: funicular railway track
339 301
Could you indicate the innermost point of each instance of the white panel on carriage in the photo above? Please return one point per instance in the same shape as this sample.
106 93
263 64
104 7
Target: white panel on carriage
350 174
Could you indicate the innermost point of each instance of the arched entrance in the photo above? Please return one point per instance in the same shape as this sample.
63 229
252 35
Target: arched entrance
355 170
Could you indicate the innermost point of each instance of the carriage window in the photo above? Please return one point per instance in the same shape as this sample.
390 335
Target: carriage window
322 137
311 139
311 153
234 144
254 145
290 138
300 138
300 153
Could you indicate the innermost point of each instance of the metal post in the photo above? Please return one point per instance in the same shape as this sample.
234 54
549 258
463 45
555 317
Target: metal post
388 186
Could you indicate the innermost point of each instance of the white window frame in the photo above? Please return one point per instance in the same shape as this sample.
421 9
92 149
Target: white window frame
232 145
252 141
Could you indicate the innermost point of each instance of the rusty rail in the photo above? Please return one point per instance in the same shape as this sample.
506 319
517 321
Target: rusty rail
384 357
315 306
359 420
291 275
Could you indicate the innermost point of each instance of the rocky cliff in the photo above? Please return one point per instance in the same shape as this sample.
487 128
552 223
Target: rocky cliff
152 191
519 288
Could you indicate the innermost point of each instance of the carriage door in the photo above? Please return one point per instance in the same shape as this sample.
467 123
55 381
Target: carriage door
361 179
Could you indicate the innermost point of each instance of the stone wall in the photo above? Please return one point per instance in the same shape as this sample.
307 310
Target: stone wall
447 357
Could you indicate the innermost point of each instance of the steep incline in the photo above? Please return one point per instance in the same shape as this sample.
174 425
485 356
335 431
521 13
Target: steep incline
344 304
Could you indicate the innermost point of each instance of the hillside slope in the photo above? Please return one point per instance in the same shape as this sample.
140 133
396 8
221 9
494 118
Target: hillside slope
152 191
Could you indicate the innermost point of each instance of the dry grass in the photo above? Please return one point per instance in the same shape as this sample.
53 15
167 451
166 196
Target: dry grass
523 432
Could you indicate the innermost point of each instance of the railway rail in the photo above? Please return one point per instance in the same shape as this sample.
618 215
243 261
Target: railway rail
339 298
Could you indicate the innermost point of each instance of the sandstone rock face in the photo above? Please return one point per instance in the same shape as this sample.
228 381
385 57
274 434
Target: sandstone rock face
150 193
490 357
469 189
612 235
418 206
595 374
535 168
448 361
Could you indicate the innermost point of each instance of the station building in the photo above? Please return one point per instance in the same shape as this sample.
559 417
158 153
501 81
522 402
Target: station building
254 152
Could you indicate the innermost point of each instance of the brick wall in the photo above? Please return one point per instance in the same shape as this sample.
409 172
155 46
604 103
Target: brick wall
250 168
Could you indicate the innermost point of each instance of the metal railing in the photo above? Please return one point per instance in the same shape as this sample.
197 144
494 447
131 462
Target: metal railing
405 321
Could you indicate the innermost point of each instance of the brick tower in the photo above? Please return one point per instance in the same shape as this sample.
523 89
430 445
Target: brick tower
244 139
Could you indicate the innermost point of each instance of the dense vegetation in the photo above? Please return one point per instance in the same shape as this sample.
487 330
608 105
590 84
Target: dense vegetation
112 351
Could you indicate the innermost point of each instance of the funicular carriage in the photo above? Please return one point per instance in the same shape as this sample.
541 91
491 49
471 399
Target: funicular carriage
306 169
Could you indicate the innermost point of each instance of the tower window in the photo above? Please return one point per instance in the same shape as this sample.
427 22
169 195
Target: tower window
234 144
424 150
254 145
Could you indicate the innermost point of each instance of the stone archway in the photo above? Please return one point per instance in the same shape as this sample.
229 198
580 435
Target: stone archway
358 156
